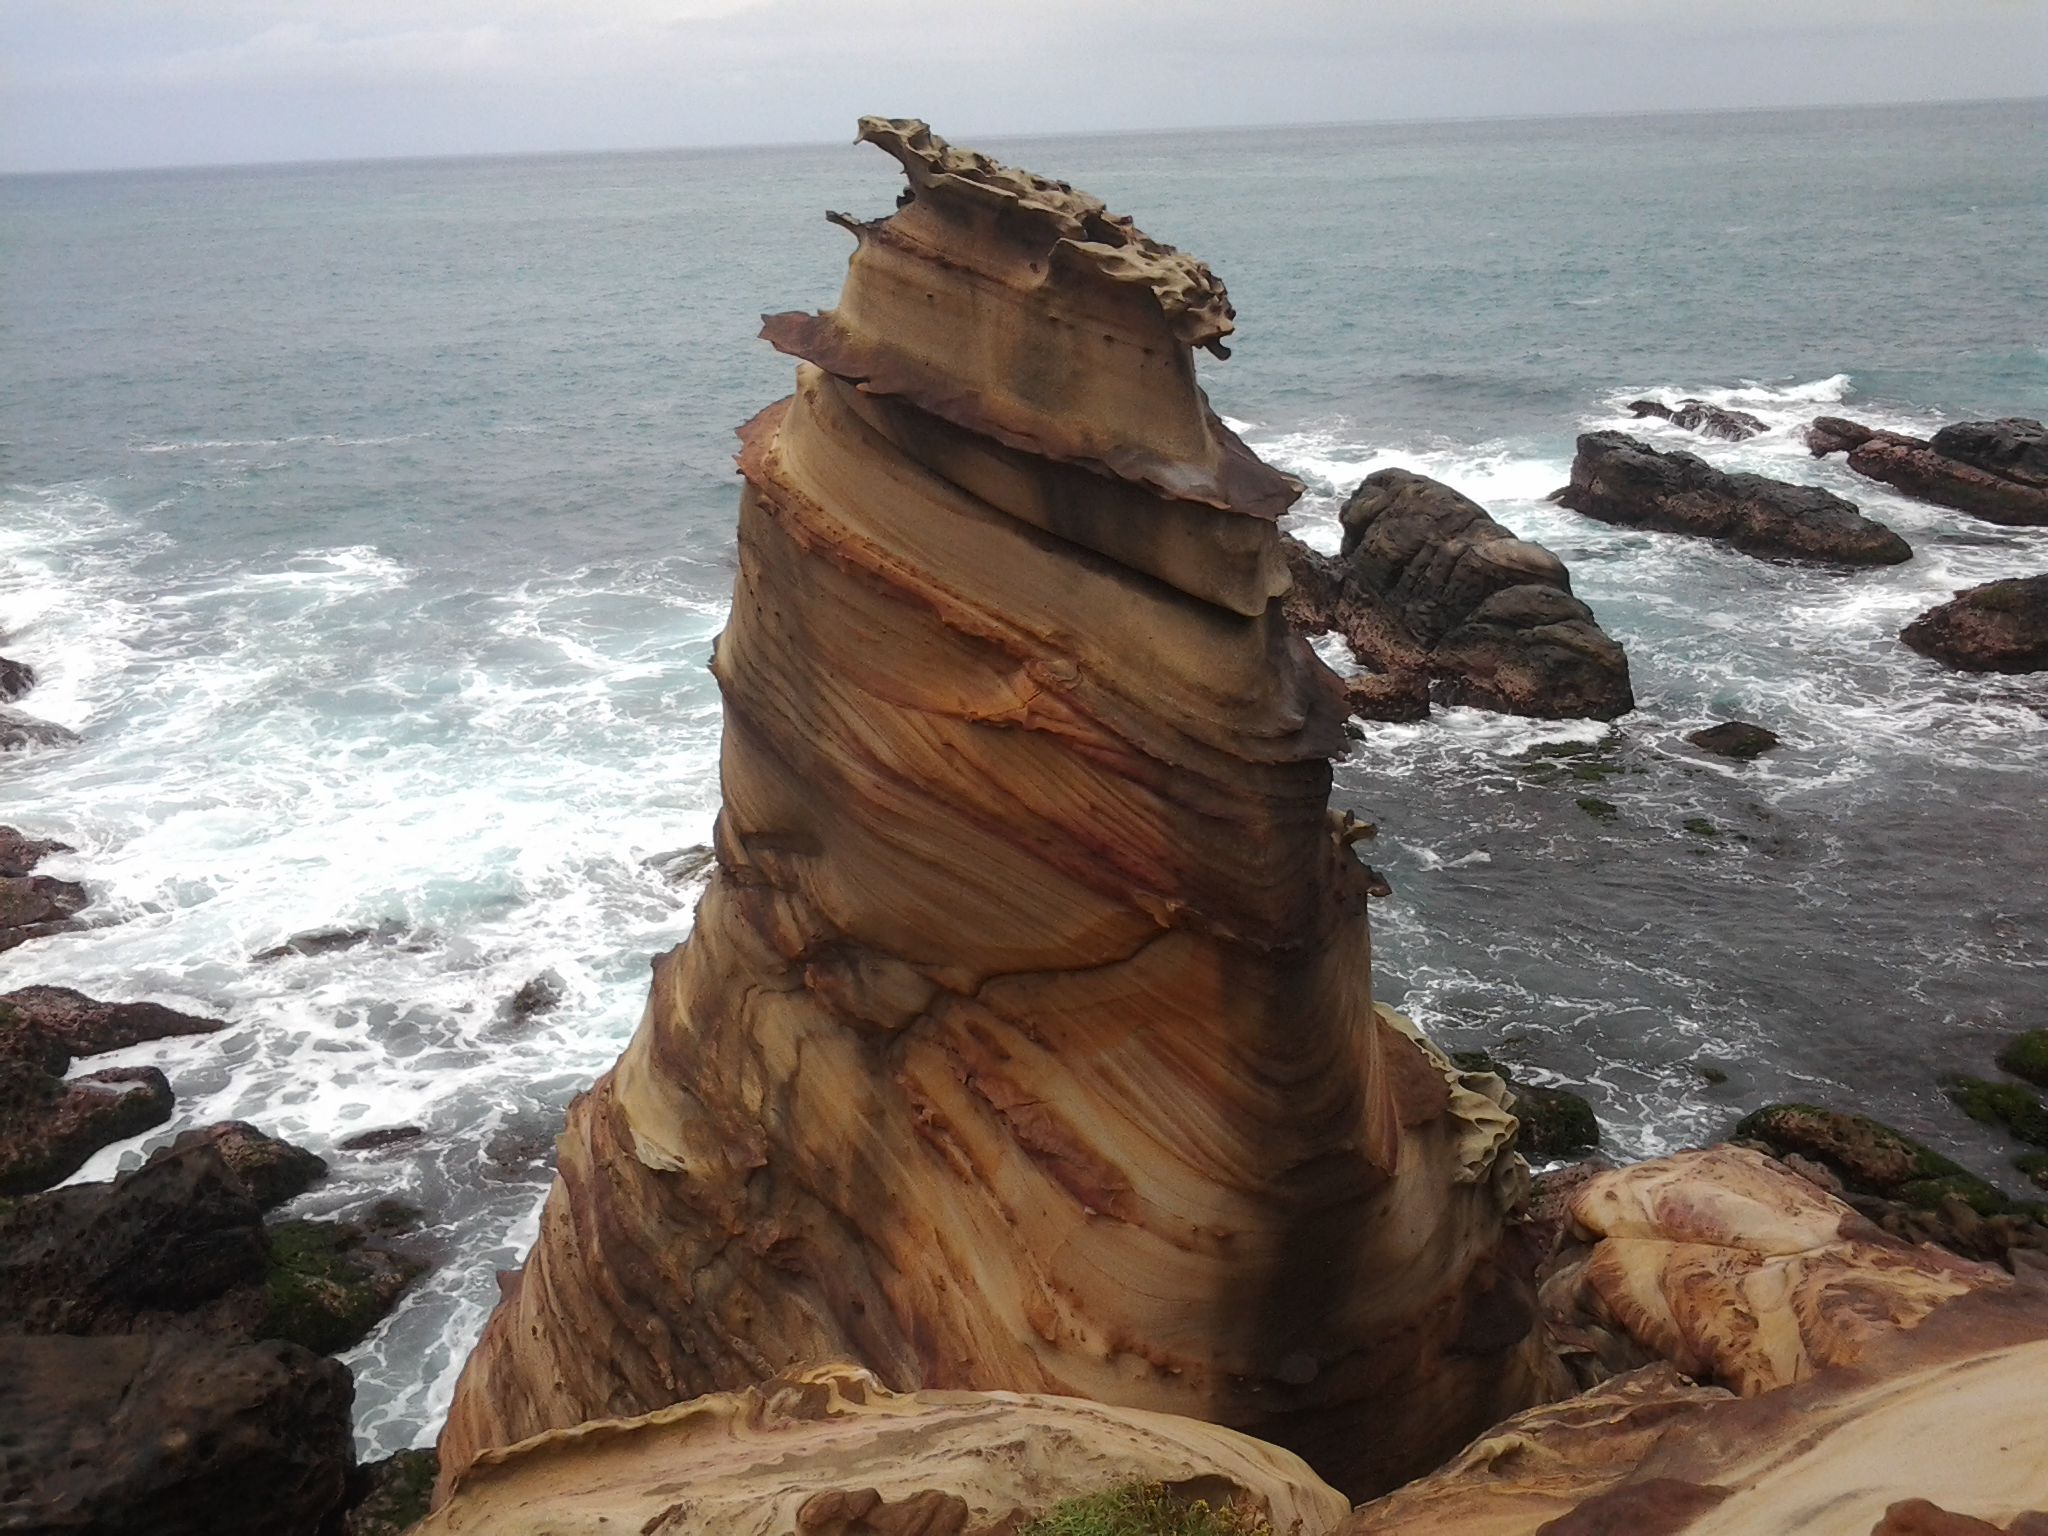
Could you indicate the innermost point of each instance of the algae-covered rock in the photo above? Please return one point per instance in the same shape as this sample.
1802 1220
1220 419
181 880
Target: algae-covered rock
392 1495
272 1170
2006 1104
2027 1056
325 1290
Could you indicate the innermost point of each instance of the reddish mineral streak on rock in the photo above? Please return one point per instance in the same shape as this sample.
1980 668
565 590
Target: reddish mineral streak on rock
1025 1038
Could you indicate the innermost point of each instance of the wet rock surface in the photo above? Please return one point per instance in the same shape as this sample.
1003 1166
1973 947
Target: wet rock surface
1555 1122
272 1170
87 1026
1738 739
1620 479
49 1127
1697 416
20 854
172 1435
33 906
20 731
16 678
389 1497
1996 470
2001 626
1442 602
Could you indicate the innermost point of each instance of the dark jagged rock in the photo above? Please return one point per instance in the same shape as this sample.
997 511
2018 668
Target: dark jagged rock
326 1289
172 1436
1555 1123
538 996
1734 738
31 900
389 1497
378 1140
329 941
48 1127
1904 1186
19 731
1698 416
1996 470
170 1237
1620 479
1439 599
2027 1056
19 855
2001 626
16 678
88 1026
271 1169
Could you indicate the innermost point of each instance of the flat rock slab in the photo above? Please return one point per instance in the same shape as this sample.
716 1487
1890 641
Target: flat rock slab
1996 470
87 1026
173 1435
1621 479
2001 626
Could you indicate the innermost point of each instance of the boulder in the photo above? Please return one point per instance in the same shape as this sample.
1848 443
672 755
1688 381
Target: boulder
49 1127
272 1170
19 854
1697 416
1784 1366
1024 1040
16 678
19 731
173 1435
830 1450
1620 479
87 1026
326 1288
1738 739
1990 469
2001 626
1439 599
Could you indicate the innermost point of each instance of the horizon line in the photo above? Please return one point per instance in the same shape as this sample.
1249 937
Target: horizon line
752 146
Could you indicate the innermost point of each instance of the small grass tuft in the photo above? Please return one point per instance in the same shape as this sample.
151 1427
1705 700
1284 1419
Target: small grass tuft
1142 1509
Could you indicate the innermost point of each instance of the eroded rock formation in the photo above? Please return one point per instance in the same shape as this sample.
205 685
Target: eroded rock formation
829 1451
1695 415
1437 598
1025 1038
1620 479
1842 1383
1996 470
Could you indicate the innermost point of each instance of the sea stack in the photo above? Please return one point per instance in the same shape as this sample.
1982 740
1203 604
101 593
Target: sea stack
1025 1039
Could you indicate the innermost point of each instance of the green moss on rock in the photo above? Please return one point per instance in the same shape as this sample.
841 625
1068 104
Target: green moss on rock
1598 809
324 1290
395 1496
1142 1510
2005 1104
2027 1056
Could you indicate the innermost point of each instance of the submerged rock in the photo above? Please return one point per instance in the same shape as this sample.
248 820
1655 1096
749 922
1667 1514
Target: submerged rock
172 1435
2027 1056
2001 626
1440 599
329 941
1024 1039
19 731
831 1450
1738 739
19 854
1620 479
1698 416
1996 470
16 678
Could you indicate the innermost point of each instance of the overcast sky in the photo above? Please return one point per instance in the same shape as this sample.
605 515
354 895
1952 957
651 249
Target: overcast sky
104 83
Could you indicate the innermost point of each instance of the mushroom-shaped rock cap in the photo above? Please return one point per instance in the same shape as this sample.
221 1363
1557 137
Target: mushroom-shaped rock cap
1022 309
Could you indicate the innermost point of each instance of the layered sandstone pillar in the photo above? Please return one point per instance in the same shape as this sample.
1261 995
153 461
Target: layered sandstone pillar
1025 1039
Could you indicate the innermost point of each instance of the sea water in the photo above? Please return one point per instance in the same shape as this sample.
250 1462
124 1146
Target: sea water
372 523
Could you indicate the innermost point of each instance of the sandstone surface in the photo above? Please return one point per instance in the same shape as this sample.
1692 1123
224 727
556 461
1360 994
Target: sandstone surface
1996 470
1025 1039
1620 479
1439 599
829 1451
1842 1383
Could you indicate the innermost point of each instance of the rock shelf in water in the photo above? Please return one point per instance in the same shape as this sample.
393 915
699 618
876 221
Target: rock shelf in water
1996 470
1025 1037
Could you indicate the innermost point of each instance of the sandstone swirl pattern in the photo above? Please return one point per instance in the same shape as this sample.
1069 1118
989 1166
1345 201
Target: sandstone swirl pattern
1025 1040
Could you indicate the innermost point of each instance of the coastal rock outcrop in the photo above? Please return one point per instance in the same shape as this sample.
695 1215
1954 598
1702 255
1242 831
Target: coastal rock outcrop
1784 1366
1440 600
20 730
829 1451
1695 415
1024 1040
1996 470
1620 479
20 854
16 678
2001 626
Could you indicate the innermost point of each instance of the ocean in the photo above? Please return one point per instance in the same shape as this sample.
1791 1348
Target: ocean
373 521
